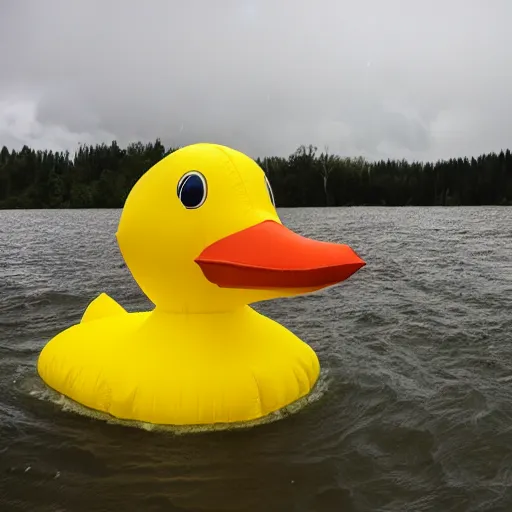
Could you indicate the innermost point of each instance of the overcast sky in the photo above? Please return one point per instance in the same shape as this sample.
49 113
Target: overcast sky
381 78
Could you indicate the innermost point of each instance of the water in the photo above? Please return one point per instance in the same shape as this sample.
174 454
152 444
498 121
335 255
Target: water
414 410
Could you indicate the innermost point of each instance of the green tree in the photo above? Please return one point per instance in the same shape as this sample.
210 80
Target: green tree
101 176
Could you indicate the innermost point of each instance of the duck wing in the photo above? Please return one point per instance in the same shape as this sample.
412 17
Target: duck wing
102 306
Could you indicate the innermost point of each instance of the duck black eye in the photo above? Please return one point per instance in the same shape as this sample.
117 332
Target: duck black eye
270 193
192 189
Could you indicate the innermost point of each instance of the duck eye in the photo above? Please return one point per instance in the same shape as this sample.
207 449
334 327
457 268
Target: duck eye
270 193
192 189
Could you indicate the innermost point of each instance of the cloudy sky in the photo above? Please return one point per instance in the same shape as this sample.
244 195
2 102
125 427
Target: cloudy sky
422 79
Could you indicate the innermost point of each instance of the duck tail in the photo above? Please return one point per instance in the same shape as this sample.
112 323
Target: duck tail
102 306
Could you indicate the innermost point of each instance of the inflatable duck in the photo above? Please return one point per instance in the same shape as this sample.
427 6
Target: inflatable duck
200 234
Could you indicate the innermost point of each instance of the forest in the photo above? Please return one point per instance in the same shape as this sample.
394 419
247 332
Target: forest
100 176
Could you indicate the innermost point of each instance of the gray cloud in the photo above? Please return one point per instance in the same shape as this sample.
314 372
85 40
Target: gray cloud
410 79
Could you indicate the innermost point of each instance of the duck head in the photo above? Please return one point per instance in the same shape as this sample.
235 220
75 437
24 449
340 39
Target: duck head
200 233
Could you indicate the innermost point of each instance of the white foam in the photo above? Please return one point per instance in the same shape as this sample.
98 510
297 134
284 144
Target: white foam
42 392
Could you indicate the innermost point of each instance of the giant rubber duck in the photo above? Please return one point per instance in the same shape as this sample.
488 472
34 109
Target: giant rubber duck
200 235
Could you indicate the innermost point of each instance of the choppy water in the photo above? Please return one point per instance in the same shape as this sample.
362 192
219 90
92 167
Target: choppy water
414 411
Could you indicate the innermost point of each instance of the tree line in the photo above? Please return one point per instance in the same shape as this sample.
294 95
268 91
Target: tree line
101 176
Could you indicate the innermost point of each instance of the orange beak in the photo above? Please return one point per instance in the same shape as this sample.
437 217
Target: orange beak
270 256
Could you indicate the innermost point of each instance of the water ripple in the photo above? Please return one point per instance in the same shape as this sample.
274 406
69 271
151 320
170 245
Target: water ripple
414 411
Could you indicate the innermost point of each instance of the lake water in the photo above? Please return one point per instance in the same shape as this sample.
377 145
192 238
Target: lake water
413 411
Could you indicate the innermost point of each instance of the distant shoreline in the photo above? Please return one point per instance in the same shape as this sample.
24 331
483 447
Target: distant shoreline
101 176
35 209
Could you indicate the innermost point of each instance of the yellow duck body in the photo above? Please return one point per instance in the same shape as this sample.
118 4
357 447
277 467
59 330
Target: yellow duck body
201 236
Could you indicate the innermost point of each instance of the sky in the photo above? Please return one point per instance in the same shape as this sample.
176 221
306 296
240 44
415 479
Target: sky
414 79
